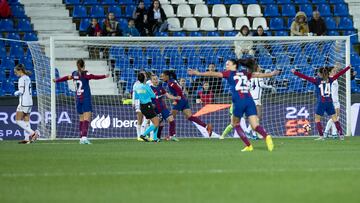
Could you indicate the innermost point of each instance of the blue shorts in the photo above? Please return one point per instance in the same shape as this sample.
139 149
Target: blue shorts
327 107
181 105
164 115
246 106
83 106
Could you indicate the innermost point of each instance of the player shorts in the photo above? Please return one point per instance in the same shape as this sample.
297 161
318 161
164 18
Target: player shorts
165 114
257 102
148 110
327 107
336 105
24 109
245 106
83 106
181 105
137 105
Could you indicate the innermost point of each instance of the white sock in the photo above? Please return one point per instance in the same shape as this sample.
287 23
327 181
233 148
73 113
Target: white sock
333 128
249 129
144 125
138 130
23 125
27 135
328 127
243 125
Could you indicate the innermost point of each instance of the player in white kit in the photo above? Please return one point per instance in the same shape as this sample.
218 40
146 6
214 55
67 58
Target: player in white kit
139 115
23 110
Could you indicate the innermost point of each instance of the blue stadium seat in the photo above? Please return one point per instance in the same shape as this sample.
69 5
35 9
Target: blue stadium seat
289 22
330 23
324 9
123 23
265 60
301 1
116 10
158 61
300 60
129 10
161 34
271 10
210 2
206 51
213 34
307 9
2 51
16 51
195 34
171 51
72 2
188 51
193 61
354 37
229 2
153 51
90 2
341 10
294 49
336 1
8 87
277 49
6 25
18 11
79 12
263 2
30 36
13 1
24 25
116 52
345 24
97 11
284 1
176 60
277 24
135 51
230 33
249 1
281 33
84 24
13 35
179 34
288 10
7 63
109 2
319 1
126 2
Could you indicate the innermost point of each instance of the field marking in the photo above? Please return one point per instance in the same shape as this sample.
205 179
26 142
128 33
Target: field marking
176 172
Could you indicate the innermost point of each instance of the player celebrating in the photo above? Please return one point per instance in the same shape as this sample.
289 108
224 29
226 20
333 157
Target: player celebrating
83 96
241 97
161 109
25 104
181 104
144 94
325 103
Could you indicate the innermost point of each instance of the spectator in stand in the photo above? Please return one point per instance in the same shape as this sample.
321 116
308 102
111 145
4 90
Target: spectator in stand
140 16
205 96
214 82
299 27
243 47
156 18
182 83
5 11
131 30
260 32
111 26
94 29
317 25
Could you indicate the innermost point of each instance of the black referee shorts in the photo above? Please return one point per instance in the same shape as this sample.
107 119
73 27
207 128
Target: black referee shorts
148 110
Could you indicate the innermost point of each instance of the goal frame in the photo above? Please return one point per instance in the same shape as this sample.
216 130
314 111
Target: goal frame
53 40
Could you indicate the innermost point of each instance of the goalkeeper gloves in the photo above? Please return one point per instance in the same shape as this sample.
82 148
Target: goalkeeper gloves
17 93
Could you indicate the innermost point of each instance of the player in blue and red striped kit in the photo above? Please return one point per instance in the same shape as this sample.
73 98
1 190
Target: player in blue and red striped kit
83 96
161 109
181 104
324 98
243 102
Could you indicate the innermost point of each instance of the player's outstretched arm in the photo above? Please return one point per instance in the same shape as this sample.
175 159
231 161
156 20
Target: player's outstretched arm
63 79
172 97
96 77
340 73
300 75
265 75
206 74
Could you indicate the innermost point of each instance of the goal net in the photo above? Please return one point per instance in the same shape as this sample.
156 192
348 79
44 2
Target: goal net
285 108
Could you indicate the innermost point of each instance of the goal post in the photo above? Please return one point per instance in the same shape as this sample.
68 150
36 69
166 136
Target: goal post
283 112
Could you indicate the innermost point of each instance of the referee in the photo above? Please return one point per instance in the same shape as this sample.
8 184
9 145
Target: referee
144 93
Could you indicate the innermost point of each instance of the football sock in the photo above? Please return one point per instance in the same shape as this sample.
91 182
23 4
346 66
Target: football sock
27 135
197 120
85 128
328 127
23 125
242 135
138 130
227 130
159 132
172 127
338 127
243 125
149 129
319 128
259 129
333 129
81 124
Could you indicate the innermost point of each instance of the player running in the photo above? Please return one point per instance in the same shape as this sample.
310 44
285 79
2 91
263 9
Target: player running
25 104
144 94
161 109
181 104
324 93
83 96
239 82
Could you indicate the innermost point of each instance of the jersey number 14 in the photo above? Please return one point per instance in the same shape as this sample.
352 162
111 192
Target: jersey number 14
325 90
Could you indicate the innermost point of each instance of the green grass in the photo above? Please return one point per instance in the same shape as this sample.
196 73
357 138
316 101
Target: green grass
192 170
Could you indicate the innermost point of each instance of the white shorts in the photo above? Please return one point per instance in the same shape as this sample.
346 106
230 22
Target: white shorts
137 106
24 109
257 102
336 105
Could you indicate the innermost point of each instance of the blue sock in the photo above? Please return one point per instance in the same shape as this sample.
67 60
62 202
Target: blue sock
149 129
155 133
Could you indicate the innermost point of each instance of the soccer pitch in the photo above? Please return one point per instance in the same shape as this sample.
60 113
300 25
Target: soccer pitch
192 170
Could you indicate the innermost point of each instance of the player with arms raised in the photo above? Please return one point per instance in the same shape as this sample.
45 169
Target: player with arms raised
83 96
325 103
239 82
23 110
161 109
181 104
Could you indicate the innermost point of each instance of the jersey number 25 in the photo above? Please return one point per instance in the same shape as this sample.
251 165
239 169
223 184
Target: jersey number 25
241 83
